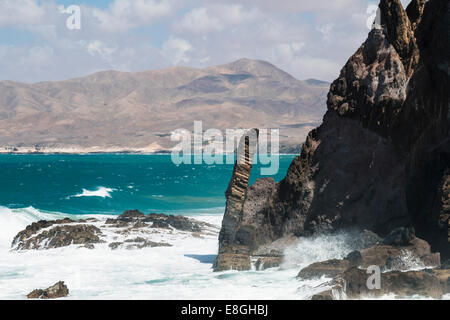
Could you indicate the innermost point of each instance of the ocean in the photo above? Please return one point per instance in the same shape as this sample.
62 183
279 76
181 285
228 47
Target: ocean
113 183
36 187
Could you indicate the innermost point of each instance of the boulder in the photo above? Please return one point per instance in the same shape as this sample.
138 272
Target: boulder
232 261
329 269
268 262
57 235
416 254
131 214
426 283
58 290
400 257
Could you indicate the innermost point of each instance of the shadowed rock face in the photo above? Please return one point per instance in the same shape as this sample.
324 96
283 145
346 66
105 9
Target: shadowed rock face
381 158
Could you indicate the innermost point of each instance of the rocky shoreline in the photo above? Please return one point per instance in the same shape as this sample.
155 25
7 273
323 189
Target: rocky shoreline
406 264
130 230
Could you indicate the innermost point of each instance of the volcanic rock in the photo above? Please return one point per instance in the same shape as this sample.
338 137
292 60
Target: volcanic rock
126 231
402 284
416 254
58 290
381 158
329 269
56 234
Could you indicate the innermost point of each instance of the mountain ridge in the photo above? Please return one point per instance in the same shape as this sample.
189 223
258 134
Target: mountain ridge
110 110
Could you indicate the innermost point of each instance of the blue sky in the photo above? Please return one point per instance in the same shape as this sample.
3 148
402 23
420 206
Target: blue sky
309 39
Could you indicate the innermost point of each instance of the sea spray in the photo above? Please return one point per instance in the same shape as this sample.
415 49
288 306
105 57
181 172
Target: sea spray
322 247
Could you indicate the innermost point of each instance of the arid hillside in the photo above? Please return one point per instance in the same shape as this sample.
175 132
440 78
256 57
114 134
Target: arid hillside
121 111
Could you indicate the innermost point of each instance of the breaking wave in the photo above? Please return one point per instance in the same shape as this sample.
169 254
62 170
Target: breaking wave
102 192
183 271
14 220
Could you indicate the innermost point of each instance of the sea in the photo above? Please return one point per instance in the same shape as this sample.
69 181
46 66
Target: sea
47 187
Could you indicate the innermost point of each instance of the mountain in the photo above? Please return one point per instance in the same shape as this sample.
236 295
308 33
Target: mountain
118 111
379 161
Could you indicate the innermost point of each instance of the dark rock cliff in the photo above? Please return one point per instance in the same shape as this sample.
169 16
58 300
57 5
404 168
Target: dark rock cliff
381 158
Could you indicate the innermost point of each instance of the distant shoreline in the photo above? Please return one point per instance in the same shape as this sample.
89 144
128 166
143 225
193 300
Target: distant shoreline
153 149
160 153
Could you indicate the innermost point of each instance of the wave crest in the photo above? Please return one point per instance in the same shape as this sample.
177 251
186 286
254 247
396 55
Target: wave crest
13 221
102 192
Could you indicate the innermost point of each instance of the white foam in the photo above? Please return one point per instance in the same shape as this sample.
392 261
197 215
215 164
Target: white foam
102 192
183 271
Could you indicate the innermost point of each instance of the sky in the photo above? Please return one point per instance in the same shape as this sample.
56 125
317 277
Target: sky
308 39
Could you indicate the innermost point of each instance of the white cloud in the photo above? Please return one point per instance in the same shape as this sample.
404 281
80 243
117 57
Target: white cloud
122 15
216 18
200 21
176 50
301 5
308 39
100 48
289 51
20 12
326 30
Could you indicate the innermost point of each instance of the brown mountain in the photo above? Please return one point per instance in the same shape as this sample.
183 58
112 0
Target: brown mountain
118 111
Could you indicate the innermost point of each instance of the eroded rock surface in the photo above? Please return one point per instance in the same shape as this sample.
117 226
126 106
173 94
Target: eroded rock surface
56 234
130 230
389 255
406 265
381 158
58 290
427 283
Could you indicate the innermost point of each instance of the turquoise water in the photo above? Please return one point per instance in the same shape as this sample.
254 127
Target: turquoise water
112 183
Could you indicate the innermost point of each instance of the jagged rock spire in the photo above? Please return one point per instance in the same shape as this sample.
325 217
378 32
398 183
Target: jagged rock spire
235 195
399 32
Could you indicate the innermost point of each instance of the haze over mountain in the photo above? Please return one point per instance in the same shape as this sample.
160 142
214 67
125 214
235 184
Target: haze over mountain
122 111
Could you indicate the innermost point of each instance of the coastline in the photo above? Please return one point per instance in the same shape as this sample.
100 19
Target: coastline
150 149
162 152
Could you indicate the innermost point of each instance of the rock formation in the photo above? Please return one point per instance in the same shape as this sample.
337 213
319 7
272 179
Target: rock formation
407 268
352 284
56 234
381 158
130 230
413 254
58 290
